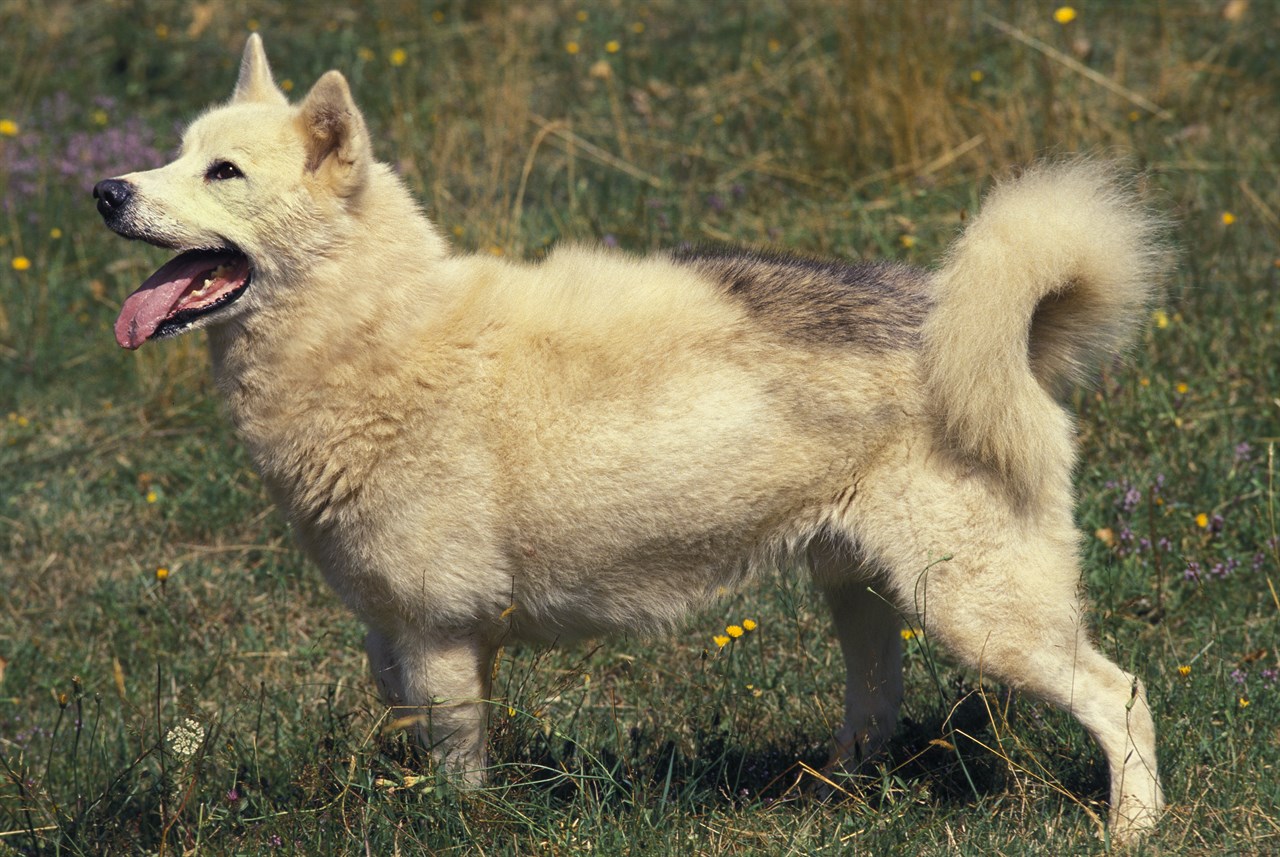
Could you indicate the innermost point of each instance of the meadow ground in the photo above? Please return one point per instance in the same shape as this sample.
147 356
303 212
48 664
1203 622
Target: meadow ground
175 678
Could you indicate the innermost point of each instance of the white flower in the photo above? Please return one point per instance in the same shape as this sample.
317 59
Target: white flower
185 738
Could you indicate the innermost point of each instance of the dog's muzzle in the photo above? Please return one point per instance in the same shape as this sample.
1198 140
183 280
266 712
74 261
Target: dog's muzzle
112 196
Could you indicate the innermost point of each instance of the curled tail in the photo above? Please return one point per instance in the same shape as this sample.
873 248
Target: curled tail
1051 277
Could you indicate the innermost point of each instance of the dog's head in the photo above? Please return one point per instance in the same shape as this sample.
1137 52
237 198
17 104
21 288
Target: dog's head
259 189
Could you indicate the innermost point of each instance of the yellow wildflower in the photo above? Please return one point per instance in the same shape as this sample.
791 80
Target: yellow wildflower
907 241
749 624
572 47
1244 703
612 46
1161 318
581 16
637 27
1202 520
21 263
398 57
734 631
1228 218
721 640
1182 388
1184 670
152 497
908 634
55 233
162 574
286 85
100 117
1064 14
8 128
976 75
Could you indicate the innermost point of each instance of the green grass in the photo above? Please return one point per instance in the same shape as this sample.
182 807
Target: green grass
859 129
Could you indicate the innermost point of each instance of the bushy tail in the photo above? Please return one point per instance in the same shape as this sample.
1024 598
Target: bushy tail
1051 276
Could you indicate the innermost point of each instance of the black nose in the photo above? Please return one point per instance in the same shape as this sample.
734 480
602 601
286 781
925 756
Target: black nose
112 195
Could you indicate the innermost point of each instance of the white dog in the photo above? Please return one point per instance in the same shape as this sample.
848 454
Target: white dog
478 451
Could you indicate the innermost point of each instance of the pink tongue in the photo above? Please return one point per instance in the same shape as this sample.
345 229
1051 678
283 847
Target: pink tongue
156 299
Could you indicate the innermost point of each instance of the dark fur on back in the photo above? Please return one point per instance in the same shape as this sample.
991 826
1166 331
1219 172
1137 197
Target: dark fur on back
877 305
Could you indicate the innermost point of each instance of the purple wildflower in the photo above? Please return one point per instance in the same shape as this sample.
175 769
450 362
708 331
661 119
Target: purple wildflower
1132 498
57 147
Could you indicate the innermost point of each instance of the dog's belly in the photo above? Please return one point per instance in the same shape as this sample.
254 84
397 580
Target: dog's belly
627 526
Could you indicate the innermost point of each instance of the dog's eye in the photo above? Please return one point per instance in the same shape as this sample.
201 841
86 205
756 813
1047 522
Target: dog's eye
223 170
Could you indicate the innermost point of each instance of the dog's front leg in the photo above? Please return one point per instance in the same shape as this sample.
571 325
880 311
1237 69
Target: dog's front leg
439 685
384 666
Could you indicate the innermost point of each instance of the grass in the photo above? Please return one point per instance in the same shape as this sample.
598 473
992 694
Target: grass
859 129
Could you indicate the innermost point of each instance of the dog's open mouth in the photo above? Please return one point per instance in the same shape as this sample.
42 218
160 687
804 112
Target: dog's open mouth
190 286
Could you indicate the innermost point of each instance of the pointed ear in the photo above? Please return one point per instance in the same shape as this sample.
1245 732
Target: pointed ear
255 83
338 147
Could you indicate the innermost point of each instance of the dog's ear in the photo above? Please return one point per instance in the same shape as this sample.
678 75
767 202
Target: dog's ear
337 141
255 83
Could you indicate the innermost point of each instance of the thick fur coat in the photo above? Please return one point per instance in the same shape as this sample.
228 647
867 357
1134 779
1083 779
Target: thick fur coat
477 451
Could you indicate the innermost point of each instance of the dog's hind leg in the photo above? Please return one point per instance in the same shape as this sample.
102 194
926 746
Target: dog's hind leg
869 630
999 588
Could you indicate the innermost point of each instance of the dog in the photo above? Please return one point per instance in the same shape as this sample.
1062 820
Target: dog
478 451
